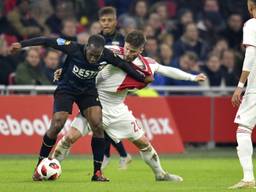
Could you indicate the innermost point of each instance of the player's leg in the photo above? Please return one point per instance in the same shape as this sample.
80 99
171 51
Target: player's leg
79 127
64 145
90 108
150 156
94 117
125 158
106 159
244 152
62 107
246 120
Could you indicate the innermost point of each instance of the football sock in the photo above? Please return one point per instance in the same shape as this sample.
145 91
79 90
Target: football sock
150 156
98 147
120 148
107 148
244 151
46 147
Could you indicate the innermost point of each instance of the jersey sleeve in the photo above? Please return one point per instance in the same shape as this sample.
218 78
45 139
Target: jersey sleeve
61 44
249 33
170 72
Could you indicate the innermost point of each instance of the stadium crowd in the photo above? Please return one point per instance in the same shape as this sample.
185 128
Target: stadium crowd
193 35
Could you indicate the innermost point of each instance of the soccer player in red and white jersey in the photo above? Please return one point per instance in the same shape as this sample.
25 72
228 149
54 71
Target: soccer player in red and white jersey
246 114
119 123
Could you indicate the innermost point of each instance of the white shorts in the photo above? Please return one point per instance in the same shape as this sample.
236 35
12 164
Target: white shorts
246 114
118 122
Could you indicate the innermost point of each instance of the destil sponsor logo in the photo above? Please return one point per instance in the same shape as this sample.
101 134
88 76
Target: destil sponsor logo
10 126
154 126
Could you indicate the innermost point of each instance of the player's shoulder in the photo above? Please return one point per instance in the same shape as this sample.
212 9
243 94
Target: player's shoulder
114 48
251 23
150 60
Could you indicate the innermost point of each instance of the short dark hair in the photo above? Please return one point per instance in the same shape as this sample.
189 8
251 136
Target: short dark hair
107 11
136 39
97 40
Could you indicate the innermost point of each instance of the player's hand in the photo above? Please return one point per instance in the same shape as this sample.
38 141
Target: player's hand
149 79
57 74
200 77
15 47
236 98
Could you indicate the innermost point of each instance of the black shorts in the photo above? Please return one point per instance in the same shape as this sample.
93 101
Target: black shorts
63 100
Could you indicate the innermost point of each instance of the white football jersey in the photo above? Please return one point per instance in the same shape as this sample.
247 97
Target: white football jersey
113 83
249 39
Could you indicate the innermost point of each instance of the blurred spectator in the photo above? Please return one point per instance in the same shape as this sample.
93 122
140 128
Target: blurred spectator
30 72
185 16
41 10
229 68
149 31
220 46
234 31
167 39
190 41
161 8
187 62
51 63
139 12
127 24
69 29
7 62
95 28
83 37
151 48
155 22
20 23
63 10
213 70
108 23
210 21
166 54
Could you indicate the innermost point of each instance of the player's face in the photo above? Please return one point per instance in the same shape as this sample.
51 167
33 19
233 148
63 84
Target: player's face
108 23
93 54
130 52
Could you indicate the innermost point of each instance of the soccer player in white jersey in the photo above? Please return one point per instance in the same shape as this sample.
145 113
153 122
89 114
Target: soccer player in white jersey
246 114
118 121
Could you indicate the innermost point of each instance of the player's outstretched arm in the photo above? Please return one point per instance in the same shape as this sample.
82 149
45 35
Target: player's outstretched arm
125 66
56 43
249 60
179 74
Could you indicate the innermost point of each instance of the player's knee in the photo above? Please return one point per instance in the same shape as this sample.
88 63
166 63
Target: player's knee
56 125
96 126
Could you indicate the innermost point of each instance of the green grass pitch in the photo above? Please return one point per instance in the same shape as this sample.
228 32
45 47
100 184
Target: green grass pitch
204 171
